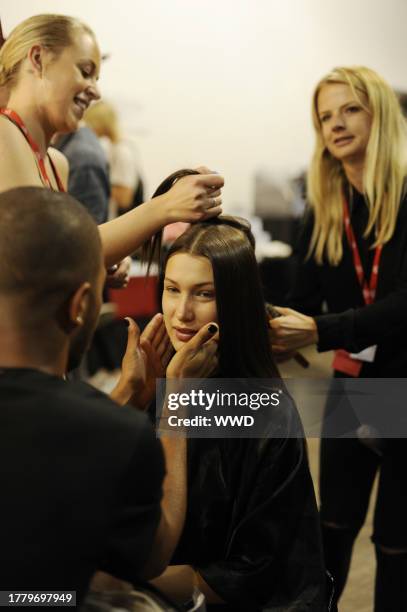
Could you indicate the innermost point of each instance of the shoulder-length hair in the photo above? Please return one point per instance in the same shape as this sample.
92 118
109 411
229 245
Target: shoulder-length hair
227 242
384 171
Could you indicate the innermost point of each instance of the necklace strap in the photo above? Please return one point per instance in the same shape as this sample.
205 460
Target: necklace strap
17 120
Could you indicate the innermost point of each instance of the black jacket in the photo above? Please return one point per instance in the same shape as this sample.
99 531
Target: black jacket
252 527
350 324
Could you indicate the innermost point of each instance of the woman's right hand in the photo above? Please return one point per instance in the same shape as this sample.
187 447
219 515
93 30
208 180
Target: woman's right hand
194 198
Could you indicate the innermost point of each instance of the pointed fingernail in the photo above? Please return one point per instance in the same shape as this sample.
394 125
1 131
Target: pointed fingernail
212 328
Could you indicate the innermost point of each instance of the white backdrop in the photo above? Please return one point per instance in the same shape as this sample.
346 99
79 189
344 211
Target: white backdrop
228 83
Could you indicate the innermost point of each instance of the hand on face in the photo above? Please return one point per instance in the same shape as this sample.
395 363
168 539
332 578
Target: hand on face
189 300
198 357
146 359
158 350
134 370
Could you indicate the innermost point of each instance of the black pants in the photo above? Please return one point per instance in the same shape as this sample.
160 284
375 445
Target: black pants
347 472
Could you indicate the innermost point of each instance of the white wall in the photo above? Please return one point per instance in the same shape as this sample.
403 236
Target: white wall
228 83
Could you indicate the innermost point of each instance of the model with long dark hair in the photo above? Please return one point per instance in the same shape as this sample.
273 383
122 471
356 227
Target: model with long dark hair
251 539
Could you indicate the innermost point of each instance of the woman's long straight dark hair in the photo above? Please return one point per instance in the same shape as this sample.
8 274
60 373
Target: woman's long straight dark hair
228 243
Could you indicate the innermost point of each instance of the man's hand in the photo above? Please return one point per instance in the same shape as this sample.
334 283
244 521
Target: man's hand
146 359
118 276
134 372
292 331
157 350
198 358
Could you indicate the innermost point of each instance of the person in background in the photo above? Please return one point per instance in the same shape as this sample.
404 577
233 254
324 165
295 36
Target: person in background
402 96
88 179
49 67
353 257
88 182
125 177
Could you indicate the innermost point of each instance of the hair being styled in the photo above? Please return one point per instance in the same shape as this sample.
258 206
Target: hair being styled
102 119
151 250
244 346
384 172
49 246
54 32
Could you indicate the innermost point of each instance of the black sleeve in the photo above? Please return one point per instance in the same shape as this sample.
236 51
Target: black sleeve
358 328
274 554
90 186
138 509
306 293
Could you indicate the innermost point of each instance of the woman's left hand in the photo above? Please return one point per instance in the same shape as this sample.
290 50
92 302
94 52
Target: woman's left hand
292 330
118 276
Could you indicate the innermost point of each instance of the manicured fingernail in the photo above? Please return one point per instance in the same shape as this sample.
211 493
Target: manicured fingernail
127 322
212 329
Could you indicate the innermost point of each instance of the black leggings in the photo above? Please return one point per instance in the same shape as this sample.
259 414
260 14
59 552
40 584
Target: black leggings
347 472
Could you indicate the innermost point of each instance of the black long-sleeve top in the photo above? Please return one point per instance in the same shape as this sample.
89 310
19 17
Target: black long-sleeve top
350 324
252 526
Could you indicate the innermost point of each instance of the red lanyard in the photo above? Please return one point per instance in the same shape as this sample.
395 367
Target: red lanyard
16 119
368 289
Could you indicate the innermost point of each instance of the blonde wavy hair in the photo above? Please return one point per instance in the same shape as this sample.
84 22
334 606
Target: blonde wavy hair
102 119
54 32
384 171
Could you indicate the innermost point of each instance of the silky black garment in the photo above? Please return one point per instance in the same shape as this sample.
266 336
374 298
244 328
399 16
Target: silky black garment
252 528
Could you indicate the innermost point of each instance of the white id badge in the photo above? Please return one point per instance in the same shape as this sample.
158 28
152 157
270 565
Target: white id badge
368 354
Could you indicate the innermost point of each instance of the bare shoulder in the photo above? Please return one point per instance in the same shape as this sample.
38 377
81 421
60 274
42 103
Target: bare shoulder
61 164
17 167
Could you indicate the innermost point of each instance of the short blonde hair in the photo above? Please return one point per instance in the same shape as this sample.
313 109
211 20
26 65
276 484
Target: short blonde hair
102 119
55 32
385 165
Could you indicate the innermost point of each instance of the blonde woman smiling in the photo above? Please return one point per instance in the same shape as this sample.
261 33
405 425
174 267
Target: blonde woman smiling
353 257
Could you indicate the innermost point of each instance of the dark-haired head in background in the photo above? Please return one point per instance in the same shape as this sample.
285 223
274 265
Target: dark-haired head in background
49 250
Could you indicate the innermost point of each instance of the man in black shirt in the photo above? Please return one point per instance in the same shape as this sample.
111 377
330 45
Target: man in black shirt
80 477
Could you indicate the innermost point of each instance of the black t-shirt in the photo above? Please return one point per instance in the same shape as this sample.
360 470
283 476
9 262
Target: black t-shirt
80 482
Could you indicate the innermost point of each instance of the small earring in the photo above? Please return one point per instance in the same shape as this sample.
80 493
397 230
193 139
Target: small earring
79 320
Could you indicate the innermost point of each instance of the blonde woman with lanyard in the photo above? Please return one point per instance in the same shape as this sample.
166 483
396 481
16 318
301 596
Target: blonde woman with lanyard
353 256
49 67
